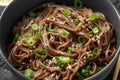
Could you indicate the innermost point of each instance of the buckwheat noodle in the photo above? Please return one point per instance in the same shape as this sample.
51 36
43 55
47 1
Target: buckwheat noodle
56 43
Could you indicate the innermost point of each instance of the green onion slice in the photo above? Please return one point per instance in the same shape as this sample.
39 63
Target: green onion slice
93 17
38 55
64 59
69 51
100 68
58 62
28 73
26 35
31 14
84 71
35 26
90 56
37 35
65 33
15 37
53 30
95 29
81 39
43 56
102 17
80 76
39 49
77 21
78 4
88 67
30 41
46 26
96 51
67 12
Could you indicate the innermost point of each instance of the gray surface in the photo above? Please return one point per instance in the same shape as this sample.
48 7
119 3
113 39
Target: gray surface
6 74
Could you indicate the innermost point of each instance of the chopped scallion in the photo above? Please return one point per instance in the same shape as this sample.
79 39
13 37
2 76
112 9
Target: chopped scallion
53 30
102 17
46 26
88 67
26 35
95 28
39 49
96 51
15 38
84 71
30 41
81 39
38 55
80 76
35 26
93 17
50 30
31 14
58 62
64 59
67 12
78 4
69 51
28 73
100 68
65 33
77 21
37 35
90 56
43 56
46 53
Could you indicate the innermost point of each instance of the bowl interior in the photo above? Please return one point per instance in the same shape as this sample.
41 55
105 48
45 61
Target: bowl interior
18 7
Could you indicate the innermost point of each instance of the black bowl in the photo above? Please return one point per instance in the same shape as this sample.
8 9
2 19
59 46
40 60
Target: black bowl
18 7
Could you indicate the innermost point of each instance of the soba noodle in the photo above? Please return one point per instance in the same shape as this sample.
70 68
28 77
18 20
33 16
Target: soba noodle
62 43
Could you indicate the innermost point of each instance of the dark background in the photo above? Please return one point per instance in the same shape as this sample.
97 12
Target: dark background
6 74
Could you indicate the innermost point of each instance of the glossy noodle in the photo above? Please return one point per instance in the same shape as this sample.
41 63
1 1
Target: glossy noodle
62 43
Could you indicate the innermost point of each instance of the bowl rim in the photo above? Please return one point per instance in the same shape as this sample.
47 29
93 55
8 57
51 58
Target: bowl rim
89 78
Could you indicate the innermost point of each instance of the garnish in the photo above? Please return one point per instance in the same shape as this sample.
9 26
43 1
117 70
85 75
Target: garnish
77 21
58 62
78 4
67 12
30 41
65 32
37 35
40 49
28 73
81 39
15 37
64 59
69 51
35 26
